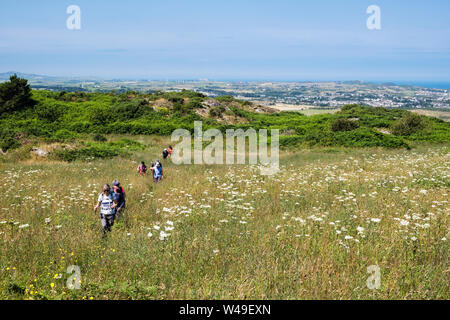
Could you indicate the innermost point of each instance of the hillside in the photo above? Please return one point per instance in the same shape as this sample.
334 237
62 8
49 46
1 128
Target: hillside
77 118
226 232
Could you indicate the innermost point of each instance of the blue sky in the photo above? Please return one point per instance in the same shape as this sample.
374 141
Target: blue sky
232 40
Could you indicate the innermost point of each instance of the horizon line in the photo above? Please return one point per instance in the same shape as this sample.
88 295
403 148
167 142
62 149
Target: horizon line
206 79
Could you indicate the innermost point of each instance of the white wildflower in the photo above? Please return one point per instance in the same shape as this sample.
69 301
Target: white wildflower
163 235
404 222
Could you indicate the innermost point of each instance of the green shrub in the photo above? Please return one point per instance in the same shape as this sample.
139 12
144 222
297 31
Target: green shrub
366 137
163 110
194 103
176 100
217 111
192 94
101 115
64 135
91 150
49 112
342 124
178 107
128 110
226 98
34 127
87 153
8 139
410 123
99 137
127 144
80 126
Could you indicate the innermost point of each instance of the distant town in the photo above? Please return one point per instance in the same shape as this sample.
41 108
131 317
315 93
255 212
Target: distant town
317 95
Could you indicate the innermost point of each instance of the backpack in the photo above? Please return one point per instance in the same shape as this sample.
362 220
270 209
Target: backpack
105 207
158 169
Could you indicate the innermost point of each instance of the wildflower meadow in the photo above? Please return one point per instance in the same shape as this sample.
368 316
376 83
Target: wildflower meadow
333 223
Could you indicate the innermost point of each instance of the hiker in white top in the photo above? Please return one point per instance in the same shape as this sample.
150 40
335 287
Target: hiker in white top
107 202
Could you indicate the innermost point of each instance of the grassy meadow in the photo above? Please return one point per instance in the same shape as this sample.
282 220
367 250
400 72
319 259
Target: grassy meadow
227 232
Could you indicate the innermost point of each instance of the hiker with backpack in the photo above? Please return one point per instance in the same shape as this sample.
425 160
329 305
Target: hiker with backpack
142 169
107 203
165 154
119 194
157 171
170 150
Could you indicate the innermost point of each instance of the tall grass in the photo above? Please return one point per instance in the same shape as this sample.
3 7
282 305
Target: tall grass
237 234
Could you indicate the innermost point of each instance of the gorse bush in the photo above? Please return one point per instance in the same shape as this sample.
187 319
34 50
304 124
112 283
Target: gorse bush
217 111
99 138
49 112
410 123
64 135
361 137
342 124
8 139
225 98
128 110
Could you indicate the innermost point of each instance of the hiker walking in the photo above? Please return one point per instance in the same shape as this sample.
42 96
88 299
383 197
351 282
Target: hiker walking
170 150
107 203
119 196
142 169
165 154
157 171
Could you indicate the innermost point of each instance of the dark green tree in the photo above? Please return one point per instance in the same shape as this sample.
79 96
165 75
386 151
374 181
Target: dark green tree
15 94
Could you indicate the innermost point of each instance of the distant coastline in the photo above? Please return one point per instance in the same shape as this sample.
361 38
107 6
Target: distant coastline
425 84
